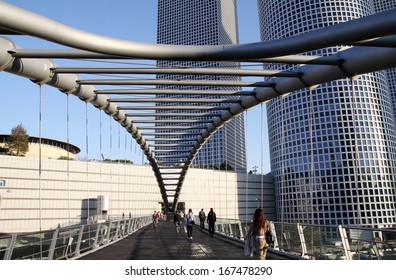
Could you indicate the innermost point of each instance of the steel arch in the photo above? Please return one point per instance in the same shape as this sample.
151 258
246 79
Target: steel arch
372 42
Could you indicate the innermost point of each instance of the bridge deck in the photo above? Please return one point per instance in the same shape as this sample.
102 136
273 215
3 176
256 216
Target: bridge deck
164 243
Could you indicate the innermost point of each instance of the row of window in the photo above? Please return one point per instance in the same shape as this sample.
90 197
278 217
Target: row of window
286 18
384 5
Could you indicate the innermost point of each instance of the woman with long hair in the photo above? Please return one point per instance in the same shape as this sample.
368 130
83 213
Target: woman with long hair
258 229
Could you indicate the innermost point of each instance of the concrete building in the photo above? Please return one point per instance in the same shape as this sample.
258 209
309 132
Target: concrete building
49 148
333 147
68 192
212 22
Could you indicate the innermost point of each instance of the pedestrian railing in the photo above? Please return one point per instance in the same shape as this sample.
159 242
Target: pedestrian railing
321 242
294 239
68 242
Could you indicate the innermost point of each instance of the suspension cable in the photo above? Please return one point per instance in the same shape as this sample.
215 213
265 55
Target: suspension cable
130 174
86 159
118 166
262 158
356 161
125 164
68 153
312 159
40 165
111 139
282 160
219 168
235 167
246 171
226 166
212 152
101 152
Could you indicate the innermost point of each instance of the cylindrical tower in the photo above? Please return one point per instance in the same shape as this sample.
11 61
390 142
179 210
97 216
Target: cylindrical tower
333 147
381 6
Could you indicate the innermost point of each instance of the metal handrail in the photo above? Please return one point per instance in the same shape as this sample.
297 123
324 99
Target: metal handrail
293 239
68 242
309 241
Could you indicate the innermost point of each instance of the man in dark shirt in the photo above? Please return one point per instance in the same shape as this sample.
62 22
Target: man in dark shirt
211 221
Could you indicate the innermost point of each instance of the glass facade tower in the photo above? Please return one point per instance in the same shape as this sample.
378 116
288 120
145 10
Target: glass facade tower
333 147
208 22
381 6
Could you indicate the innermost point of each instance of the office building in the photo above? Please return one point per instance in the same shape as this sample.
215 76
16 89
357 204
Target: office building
74 192
332 148
381 6
209 22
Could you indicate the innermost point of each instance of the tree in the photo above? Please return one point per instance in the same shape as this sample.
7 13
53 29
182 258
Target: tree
226 166
18 141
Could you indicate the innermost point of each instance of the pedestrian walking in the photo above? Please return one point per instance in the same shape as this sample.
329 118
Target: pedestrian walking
202 218
259 228
189 221
211 221
182 218
176 220
155 218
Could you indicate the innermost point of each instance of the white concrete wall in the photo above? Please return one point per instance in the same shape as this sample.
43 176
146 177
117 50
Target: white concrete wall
63 188
205 189
61 195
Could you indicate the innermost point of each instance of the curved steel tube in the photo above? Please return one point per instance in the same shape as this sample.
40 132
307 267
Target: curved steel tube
39 71
357 60
341 34
353 61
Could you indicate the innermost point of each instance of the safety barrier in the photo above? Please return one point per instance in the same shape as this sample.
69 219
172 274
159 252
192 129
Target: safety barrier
321 242
68 242
294 239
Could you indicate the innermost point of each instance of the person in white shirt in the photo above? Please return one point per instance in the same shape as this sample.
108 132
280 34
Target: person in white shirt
189 221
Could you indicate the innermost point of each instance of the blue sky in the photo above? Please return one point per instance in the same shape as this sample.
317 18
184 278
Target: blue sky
127 19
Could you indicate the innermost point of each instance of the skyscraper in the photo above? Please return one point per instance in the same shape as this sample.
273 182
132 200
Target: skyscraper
332 148
381 6
208 22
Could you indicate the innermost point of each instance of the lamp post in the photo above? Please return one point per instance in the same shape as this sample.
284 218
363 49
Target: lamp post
258 199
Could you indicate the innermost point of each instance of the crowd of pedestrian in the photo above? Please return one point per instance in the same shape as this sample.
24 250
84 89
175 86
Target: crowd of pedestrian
188 221
256 240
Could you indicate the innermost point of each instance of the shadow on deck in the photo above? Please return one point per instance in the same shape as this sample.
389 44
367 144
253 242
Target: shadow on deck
164 243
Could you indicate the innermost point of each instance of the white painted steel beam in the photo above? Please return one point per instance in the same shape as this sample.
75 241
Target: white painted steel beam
22 21
159 82
175 71
374 31
173 114
172 100
79 54
163 91
176 108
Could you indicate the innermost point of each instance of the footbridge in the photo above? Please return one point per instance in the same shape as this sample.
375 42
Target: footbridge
135 239
369 45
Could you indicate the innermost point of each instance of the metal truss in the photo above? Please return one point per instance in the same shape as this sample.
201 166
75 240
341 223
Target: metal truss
180 117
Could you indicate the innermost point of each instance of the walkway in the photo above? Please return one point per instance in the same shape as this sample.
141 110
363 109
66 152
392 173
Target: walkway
164 243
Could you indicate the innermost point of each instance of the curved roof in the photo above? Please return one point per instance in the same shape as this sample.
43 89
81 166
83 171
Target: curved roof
47 141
